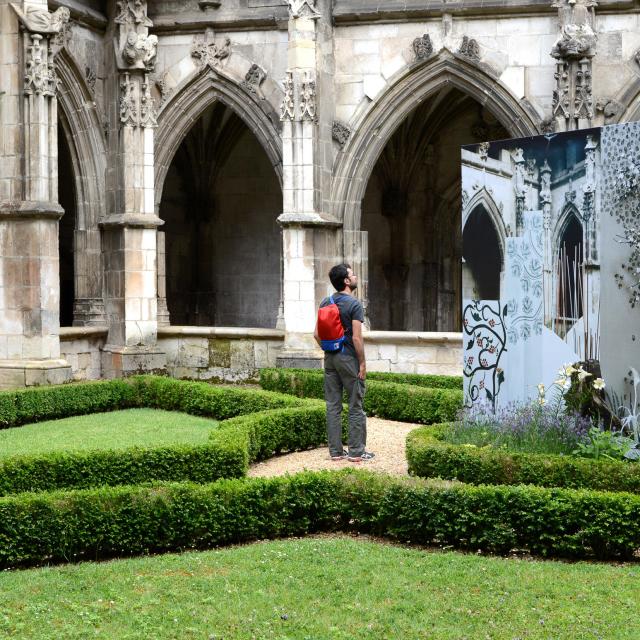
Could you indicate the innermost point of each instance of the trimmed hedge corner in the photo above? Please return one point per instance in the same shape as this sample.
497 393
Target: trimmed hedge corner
429 457
108 522
276 423
390 400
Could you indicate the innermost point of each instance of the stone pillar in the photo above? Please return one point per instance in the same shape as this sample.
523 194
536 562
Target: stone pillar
310 236
29 209
129 242
163 309
549 258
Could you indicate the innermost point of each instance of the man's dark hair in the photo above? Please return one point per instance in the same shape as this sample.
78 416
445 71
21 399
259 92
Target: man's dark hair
337 276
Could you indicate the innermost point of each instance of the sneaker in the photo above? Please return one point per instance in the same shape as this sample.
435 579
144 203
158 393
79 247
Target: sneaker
341 456
367 456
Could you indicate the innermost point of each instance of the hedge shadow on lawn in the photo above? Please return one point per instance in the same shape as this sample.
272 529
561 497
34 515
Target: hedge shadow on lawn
429 456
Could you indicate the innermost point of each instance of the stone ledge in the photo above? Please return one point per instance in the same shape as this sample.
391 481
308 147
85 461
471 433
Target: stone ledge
34 364
67 334
414 337
142 220
21 209
307 220
237 333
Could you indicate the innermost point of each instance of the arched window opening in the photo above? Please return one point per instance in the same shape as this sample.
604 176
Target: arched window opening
570 277
66 228
412 213
220 202
482 257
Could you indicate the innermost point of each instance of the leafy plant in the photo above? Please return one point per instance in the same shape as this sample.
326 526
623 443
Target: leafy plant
603 444
628 415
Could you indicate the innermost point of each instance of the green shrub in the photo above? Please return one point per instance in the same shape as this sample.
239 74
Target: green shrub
429 457
48 403
203 399
403 402
107 522
232 447
417 379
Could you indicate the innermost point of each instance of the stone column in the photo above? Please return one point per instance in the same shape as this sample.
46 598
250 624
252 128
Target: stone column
29 208
163 309
549 258
129 242
310 236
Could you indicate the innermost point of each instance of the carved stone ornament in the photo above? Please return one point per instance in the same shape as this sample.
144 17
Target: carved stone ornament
303 9
254 79
577 29
40 75
470 49
147 108
62 39
164 90
129 115
140 50
340 133
548 125
308 98
133 12
609 108
423 47
209 53
483 151
39 20
287 108
91 77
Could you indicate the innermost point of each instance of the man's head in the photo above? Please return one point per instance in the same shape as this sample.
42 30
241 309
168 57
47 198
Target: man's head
342 277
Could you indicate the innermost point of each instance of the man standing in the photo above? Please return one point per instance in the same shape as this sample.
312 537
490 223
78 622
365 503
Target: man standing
346 369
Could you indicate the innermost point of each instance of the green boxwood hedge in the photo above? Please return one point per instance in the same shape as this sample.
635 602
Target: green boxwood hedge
107 522
277 423
429 457
394 401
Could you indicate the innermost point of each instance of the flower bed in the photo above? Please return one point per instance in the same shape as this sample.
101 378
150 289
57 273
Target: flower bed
429 456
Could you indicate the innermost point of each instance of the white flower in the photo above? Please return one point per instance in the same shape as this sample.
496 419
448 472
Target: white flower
598 384
542 401
541 389
582 374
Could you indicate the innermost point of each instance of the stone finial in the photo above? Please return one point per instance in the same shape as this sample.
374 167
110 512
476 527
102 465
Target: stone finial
340 133
39 20
422 47
209 53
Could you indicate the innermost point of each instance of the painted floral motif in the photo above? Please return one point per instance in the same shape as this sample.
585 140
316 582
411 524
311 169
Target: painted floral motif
484 337
525 264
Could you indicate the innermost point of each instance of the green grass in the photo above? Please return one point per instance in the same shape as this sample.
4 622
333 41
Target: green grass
321 588
114 430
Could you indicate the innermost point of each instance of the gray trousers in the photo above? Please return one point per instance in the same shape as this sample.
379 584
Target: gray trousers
341 372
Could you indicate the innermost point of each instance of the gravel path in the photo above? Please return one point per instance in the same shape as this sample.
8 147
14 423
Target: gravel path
384 437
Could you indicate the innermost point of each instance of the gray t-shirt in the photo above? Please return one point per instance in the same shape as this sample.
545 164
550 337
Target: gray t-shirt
350 309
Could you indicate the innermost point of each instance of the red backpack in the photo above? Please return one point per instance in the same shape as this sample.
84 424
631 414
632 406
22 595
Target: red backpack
330 329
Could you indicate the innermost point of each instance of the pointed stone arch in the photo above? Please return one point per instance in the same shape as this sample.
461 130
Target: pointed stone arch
82 125
569 213
191 99
482 198
377 121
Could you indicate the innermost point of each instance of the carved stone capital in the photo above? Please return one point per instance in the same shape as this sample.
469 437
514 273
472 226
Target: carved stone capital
308 98
287 108
469 48
135 48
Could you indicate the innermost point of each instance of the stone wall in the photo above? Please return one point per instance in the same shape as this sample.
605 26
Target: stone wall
80 347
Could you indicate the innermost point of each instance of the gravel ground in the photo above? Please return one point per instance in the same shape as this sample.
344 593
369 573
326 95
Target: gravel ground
385 438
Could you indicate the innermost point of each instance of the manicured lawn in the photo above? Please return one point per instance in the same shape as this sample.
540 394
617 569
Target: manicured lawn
114 430
322 588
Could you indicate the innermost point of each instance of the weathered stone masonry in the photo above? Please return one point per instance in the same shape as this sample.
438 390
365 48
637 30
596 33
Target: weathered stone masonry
188 171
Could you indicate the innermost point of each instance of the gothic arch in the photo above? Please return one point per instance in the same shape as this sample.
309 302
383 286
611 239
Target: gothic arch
482 198
83 128
569 212
375 125
185 107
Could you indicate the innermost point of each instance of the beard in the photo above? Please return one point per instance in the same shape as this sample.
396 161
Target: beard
353 286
